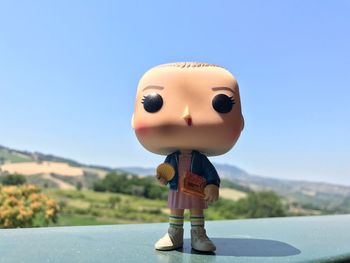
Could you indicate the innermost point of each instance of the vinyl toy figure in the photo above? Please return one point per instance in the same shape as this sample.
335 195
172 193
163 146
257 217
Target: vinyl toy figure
188 111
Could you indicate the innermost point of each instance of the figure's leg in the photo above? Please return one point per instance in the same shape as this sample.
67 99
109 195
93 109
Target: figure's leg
199 238
176 218
174 238
197 218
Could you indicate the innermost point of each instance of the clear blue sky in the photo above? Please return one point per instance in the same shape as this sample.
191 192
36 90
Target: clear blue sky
69 71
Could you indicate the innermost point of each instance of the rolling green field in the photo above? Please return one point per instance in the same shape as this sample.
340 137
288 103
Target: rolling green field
93 208
87 207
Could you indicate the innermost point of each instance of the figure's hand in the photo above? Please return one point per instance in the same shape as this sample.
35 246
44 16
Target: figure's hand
161 180
165 172
211 192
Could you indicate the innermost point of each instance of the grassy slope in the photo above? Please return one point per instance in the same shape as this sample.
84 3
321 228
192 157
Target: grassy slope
93 208
232 194
13 157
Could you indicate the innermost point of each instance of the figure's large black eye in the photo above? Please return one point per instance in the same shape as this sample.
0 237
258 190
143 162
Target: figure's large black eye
223 103
152 102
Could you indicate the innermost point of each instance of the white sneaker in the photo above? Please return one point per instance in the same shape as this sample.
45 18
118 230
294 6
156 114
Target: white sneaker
172 240
200 241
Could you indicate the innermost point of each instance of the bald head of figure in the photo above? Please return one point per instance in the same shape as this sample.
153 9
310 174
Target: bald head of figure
188 106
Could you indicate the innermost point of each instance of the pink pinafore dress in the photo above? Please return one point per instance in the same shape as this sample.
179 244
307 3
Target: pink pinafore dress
180 200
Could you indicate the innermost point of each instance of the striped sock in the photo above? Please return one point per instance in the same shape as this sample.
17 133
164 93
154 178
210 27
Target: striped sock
197 221
176 221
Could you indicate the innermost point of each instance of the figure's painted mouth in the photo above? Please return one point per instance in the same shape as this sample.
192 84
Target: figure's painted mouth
189 121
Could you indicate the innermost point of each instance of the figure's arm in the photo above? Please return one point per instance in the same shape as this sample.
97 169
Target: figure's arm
211 191
210 173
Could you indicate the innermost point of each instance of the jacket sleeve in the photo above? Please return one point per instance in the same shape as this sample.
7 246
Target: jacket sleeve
168 160
210 172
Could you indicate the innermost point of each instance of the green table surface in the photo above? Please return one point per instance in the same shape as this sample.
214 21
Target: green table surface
291 239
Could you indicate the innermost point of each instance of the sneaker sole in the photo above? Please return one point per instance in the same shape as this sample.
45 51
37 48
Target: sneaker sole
205 251
169 248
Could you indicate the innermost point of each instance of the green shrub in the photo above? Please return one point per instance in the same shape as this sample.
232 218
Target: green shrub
261 204
13 179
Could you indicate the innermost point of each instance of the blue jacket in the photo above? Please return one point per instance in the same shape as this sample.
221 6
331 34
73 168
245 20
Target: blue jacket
200 165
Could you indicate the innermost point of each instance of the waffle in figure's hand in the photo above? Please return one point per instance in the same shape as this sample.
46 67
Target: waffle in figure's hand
165 171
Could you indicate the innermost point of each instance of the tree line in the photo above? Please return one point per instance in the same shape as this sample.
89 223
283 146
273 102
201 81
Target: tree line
254 205
132 185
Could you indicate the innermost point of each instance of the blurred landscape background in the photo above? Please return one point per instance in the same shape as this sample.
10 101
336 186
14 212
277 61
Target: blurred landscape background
89 195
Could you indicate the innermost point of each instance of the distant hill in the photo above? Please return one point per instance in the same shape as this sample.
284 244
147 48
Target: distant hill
326 196
142 171
331 197
8 155
49 170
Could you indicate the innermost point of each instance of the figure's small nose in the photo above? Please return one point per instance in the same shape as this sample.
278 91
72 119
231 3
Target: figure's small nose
186 113
187 116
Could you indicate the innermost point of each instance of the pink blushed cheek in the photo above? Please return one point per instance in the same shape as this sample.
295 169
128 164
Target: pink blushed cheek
233 135
228 137
141 128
